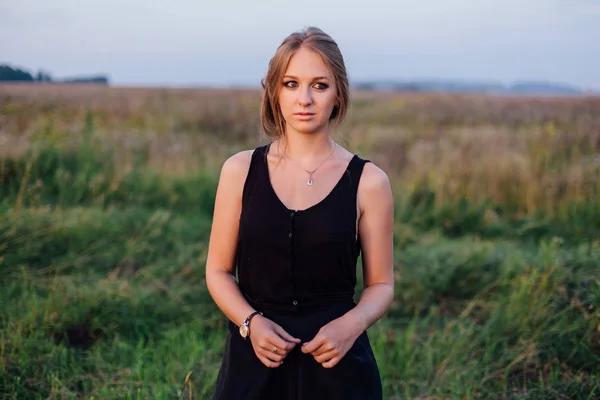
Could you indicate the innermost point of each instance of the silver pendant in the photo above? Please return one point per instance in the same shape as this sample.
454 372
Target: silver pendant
309 182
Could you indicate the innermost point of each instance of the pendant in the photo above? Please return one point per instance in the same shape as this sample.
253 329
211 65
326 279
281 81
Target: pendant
310 181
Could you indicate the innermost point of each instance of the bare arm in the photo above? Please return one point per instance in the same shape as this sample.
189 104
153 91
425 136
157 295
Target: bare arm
220 278
376 225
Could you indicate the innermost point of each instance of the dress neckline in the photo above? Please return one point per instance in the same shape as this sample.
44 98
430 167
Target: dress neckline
315 205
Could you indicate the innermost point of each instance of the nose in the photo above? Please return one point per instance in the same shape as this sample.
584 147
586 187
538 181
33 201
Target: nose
304 96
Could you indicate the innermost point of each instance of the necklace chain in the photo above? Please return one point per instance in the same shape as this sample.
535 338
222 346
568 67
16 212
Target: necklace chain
310 180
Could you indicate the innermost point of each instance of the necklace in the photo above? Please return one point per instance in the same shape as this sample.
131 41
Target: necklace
310 173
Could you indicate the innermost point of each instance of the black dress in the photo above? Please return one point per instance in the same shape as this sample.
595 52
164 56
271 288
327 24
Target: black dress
298 267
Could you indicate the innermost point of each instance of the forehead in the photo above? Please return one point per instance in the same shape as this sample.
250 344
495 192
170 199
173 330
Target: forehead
307 64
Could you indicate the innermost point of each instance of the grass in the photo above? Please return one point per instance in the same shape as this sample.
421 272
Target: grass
105 212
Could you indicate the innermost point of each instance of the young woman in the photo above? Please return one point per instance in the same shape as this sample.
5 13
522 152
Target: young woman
290 220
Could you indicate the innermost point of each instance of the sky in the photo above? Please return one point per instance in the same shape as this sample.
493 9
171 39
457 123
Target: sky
230 42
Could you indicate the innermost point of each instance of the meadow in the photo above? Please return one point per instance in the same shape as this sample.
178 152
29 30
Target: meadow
106 198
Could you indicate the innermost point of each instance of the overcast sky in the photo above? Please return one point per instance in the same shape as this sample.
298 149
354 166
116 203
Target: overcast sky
228 42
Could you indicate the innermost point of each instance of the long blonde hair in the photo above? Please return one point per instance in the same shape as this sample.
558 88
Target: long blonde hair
271 118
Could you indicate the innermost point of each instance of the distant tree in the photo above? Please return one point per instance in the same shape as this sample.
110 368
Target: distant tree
87 79
8 73
43 77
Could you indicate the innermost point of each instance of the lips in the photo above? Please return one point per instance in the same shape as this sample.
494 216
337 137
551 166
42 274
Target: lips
304 116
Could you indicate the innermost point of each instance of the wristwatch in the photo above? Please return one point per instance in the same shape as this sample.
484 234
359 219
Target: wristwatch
245 326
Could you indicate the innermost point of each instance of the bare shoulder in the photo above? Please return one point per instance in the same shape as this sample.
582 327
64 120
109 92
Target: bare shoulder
374 179
233 175
374 188
238 163
236 167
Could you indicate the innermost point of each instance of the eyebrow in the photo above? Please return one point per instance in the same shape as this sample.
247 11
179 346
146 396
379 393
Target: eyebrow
314 79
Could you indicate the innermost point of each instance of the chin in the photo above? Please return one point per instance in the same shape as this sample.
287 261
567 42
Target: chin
308 128
306 131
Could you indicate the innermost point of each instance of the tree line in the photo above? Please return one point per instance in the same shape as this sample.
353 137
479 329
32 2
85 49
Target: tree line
14 74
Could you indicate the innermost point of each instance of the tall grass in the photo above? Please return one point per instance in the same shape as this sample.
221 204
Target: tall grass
105 212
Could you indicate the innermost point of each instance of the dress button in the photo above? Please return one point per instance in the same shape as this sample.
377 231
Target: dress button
290 235
292 214
295 302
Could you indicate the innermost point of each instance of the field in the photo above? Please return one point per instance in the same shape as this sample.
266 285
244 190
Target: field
105 212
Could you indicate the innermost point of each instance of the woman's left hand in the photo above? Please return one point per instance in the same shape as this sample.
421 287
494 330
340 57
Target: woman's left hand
332 342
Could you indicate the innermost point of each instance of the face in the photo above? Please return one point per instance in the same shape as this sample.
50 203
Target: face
308 93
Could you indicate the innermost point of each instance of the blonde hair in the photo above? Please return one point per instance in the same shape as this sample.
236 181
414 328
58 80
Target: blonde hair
271 118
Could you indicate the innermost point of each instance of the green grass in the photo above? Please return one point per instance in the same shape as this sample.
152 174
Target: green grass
102 255
107 299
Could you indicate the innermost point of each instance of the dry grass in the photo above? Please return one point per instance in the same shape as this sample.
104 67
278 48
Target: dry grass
531 154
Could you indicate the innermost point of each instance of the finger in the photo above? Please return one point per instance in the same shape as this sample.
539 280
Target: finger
268 363
272 354
331 363
326 347
279 342
273 357
313 344
326 356
286 335
272 343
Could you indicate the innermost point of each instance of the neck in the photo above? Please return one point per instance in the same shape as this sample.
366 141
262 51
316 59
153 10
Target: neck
305 147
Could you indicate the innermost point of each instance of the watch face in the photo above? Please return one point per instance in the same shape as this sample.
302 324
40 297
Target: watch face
244 331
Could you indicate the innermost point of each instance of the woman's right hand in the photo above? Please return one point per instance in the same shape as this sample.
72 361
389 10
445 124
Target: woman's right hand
270 341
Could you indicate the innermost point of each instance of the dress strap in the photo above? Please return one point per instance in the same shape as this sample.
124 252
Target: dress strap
255 171
355 170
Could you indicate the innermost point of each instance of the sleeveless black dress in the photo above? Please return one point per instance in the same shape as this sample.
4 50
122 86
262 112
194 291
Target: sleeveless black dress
298 267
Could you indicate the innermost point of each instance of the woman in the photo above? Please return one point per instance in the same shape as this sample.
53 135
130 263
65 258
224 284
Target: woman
287 219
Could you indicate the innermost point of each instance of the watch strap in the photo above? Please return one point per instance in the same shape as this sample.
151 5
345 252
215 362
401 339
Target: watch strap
247 320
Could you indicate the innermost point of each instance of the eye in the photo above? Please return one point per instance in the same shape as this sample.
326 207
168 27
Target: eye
321 86
290 84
